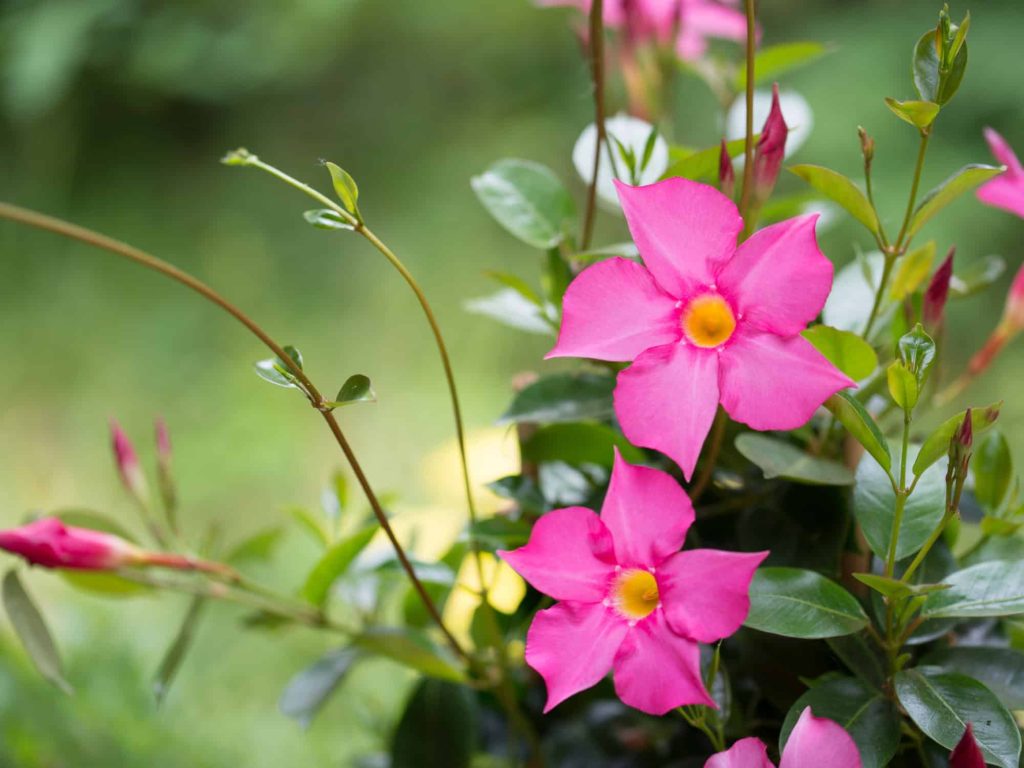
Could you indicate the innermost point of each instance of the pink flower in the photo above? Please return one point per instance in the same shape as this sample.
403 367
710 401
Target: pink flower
813 738
630 600
967 753
705 322
128 463
1006 190
771 148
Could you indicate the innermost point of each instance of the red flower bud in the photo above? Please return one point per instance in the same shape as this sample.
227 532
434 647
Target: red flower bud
937 293
128 463
771 149
51 544
967 753
1013 315
726 173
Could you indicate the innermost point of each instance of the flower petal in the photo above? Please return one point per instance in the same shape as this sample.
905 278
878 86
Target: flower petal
684 231
570 556
656 670
769 382
1006 192
1003 152
647 512
779 279
706 592
814 737
745 753
572 646
614 311
667 399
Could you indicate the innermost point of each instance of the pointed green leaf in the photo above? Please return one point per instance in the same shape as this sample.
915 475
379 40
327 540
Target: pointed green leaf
964 180
175 654
345 188
920 114
412 649
994 588
563 397
777 458
310 689
257 547
913 270
334 564
937 444
277 372
30 626
356 389
796 603
528 200
774 60
840 189
903 385
325 218
858 422
845 350
702 164
993 469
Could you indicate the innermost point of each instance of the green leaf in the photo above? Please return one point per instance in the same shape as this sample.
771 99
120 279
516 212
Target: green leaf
796 603
345 188
995 588
356 389
866 714
837 187
883 584
277 372
325 218
920 114
579 443
563 397
964 180
625 250
777 458
175 654
862 656
913 270
858 422
410 648
702 164
518 285
311 524
774 60
310 689
977 276
258 547
993 468
942 704
30 626
1001 670
931 82
438 727
937 444
903 386
528 200
845 350
334 564
916 350
510 308
874 503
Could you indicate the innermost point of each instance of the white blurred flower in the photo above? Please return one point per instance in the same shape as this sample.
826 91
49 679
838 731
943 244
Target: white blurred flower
795 110
632 133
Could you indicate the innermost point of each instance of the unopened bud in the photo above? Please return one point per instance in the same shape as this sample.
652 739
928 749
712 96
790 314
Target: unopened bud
128 464
51 544
937 293
867 145
726 172
967 753
771 148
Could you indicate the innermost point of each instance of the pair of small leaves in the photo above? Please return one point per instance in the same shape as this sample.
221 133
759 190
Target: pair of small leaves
909 372
356 389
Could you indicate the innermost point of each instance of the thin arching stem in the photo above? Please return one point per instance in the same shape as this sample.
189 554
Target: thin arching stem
597 77
748 147
89 237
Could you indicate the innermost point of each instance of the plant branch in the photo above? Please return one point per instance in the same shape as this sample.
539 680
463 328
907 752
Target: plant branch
748 147
597 77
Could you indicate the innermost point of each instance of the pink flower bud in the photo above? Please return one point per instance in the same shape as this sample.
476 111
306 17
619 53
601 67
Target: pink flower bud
937 293
771 148
967 753
726 173
128 463
163 442
1013 315
164 473
51 544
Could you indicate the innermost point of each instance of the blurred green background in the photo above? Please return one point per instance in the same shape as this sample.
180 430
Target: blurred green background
113 114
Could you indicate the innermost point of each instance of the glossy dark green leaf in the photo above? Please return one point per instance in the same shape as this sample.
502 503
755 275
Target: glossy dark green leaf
859 423
977 276
1001 670
175 654
438 727
995 588
841 190
937 444
579 443
334 563
310 689
920 114
345 188
356 389
777 458
992 465
410 648
862 656
845 350
867 715
874 504
941 704
276 372
325 218
796 603
563 397
30 626
964 180
771 61
528 200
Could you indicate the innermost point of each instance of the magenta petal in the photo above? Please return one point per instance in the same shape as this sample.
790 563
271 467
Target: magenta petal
967 753
647 512
712 20
769 382
656 670
1003 152
745 753
667 399
812 738
1006 192
572 646
706 592
779 279
570 556
684 230
614 311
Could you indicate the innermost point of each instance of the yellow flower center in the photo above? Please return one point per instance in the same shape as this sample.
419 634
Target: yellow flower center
635 593
708 320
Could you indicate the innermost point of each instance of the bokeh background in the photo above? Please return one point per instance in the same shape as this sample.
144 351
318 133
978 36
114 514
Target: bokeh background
113 114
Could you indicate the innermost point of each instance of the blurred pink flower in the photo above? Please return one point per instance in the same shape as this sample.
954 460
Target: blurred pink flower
704 322
1005 191
812 739
128 463
967 753
771 148
51 544
630 600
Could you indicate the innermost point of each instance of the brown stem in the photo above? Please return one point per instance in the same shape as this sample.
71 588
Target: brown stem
597 75
748 147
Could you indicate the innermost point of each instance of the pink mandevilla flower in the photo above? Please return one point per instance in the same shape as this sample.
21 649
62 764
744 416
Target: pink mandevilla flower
814 742
1005 191
630 600
705 322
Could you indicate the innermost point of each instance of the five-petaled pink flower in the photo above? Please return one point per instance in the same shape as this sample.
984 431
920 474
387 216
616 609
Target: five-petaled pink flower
705 322
814 742
1006 190
630 600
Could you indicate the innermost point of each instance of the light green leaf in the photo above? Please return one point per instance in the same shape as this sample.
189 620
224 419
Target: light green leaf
325 218
858 422
30 626
837 187
277 372
333 564
528 200
356 389
845 350
903 385
920 114
175 654
937 444
774 60
913 270
777 458
702 164
509 307
345 188
964 180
